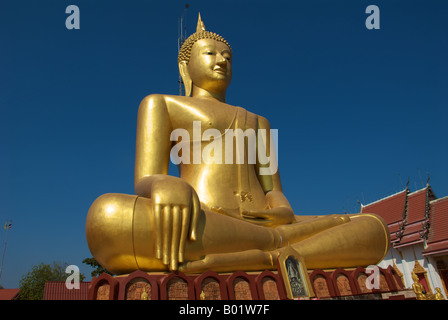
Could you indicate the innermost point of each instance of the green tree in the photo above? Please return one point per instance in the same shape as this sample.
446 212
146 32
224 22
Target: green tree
98 269
32 285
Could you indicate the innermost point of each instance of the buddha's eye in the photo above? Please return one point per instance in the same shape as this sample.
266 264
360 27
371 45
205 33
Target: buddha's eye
227 55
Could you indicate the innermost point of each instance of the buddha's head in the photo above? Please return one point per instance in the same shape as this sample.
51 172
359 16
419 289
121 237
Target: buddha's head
205 61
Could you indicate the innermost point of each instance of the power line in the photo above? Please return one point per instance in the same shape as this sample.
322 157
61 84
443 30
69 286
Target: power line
7 227
182 35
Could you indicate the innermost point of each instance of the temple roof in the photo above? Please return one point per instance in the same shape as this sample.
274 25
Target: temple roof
9 294
391 208
417 216
414 217
57 290
438 233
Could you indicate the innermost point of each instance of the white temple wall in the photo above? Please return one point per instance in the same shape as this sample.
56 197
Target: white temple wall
404 259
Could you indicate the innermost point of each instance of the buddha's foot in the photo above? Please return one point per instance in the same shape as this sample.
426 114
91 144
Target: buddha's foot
250 260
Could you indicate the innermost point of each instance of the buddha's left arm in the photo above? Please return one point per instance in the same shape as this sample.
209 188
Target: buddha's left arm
279 211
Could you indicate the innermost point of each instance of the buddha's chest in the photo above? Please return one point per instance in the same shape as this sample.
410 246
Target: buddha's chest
202 116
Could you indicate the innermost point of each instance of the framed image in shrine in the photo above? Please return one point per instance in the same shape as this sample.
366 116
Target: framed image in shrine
294 273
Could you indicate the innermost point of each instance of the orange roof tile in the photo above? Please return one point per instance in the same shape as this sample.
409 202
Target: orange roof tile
56 290
394 229
416 206
9 294
391 209
438 233
408 239
416 217
409 216
436 248
412 233
439 220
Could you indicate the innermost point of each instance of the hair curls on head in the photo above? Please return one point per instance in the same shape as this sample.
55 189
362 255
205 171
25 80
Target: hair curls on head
201 33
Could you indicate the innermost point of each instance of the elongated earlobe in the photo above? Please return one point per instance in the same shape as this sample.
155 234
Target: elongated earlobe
185 78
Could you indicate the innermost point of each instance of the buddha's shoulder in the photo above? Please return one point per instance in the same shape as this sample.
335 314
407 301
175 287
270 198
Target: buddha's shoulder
169 98
161 97
176 100
172 100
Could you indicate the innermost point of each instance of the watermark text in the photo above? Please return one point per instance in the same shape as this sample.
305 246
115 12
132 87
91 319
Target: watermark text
250 147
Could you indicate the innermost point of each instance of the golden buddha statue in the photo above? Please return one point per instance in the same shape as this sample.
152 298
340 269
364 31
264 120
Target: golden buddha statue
144 295
418 288
438 295
220 216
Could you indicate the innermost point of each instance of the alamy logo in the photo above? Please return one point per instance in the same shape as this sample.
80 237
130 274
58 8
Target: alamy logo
72 281
373 20
72 21
256 148
373 280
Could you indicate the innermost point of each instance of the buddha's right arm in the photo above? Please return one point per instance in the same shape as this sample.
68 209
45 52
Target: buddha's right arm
153 144
176 206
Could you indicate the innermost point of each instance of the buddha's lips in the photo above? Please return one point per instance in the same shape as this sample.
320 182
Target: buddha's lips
220 70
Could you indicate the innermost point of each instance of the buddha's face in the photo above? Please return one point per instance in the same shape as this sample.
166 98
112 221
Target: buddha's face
210 66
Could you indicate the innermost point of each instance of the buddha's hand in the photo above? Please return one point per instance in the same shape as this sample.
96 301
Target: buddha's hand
176 211
272 217
278 213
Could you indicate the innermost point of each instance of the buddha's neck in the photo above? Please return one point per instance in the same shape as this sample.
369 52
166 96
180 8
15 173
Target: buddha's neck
202 93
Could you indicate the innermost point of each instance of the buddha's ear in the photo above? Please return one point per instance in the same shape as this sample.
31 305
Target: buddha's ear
183 69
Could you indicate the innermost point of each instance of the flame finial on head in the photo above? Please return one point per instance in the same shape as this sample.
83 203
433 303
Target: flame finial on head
200 27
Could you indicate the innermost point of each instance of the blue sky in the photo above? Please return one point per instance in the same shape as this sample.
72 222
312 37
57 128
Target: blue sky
358 111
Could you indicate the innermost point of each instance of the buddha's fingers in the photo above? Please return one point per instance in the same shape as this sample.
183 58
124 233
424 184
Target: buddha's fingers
167 232
196 210
177 229
193 266
158 223
184 232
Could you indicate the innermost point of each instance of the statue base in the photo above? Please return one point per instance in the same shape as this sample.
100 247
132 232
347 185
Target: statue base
334 284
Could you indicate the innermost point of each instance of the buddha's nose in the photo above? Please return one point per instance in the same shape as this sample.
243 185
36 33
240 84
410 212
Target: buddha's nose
221 61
